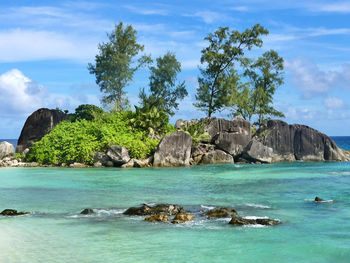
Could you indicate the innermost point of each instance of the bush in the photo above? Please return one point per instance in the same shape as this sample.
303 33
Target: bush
78 141
87 112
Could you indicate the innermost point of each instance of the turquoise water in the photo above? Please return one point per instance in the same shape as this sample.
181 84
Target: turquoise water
55 232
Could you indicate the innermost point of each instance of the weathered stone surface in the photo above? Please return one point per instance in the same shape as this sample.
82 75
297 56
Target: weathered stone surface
38 124
145 209
221 212
12 212
158 218
182 218
231 136
298 142
173 150
255 151
78 165
216 156
237 125
101 159
239 221
87 211
6 150
119 155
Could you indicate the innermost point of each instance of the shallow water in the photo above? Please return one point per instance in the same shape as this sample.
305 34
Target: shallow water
55 232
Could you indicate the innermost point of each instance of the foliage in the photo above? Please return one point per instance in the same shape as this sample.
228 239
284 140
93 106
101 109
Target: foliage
196 130
20 156
219 80
266 75
87 112
252 130
164 91
152 120
78 141
116 64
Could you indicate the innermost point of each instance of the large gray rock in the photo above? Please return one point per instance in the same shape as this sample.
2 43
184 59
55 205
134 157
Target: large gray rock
231 136
257 152
119 155
298 142
173 150
6 150
37 125
216 156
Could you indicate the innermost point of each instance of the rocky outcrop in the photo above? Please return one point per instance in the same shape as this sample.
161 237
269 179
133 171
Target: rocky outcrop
87 211
221 212
158 218
37 125
231 136
255 151
145 209
119 155
240 221
173 150
12 212
293 142
182 218
6 150
216 156
102 159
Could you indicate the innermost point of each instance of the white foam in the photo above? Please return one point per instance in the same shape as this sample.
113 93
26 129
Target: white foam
208 207
255 217
258 206
100 213
255 226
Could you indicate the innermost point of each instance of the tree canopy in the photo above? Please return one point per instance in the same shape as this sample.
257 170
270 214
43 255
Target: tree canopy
116 64
219 78
165 92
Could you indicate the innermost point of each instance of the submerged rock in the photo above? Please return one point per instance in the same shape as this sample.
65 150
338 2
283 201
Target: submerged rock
12 212
159 218
221 212
145 209
87 211
240 221
173 150
318 199
182 218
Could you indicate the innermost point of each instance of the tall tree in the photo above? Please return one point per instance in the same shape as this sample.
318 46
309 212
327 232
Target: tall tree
218 60
165 92
266 75
116 64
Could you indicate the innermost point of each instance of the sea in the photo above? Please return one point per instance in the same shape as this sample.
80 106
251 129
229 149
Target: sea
56 232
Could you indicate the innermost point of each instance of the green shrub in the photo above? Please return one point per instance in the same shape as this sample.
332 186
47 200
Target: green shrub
196 130
78 141
87 112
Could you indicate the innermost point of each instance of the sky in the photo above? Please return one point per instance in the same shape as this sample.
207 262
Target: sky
45 47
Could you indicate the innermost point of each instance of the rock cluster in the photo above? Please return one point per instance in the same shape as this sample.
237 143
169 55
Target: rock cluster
12 212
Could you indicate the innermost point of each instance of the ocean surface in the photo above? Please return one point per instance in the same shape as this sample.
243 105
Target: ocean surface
56 232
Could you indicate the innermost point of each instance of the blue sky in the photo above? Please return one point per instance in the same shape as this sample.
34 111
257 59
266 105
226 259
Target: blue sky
45 47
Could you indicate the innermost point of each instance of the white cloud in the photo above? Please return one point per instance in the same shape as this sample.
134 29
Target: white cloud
336 7
29 45
146 11
21 95
207 16
334 103
309 79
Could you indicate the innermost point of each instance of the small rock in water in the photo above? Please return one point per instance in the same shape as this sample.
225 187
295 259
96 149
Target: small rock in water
239 221
182 218
153 210
87 211
318 199
12 212
221 212
159 218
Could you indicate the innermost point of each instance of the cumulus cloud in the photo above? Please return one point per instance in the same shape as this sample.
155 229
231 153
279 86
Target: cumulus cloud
21 96
310 79
334 103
